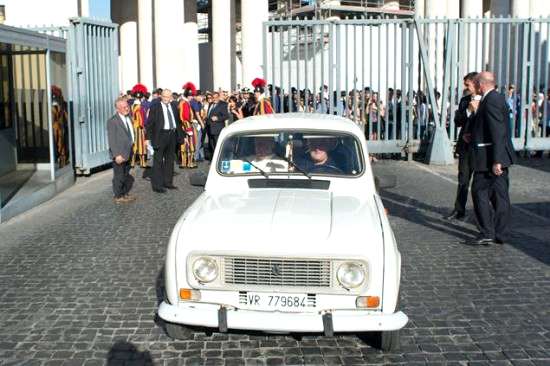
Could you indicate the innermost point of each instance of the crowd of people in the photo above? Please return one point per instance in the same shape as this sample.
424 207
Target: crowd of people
163 122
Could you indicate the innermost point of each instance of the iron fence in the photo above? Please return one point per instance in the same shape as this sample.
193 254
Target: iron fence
372 71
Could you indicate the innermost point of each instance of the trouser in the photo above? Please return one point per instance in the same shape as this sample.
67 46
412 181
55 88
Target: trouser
492 204
465 172
212 141
163 160
122 179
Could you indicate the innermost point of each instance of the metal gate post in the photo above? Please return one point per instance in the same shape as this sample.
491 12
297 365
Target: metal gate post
440 149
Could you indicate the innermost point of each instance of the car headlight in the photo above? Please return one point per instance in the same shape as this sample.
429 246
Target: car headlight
205 269
350 275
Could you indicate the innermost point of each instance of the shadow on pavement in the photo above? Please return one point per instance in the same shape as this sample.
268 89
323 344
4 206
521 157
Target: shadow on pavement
122 353
409 209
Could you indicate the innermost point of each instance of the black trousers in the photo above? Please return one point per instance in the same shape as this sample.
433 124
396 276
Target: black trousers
465 172
122 179
492 204
163 160
212 142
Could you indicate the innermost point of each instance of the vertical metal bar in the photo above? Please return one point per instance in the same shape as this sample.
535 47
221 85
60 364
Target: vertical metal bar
403 86
501 61
289 64
453 82
346 98
355 94
408 26
331 68
322 91
508 52
281 70
364 84
314 67
338 55
477 59
264 63
274 83
50 122
537 66
545 91
394 104
298 54
525 92
306 68
516 60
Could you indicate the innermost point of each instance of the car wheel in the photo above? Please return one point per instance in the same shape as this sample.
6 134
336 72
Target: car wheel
178 331
388 341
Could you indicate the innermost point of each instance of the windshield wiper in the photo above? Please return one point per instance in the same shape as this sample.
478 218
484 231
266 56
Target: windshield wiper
262 172
290 162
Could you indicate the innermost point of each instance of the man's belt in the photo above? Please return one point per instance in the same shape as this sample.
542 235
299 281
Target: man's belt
485 144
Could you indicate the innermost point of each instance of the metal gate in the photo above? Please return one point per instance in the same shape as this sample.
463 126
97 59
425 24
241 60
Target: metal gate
401 79
93 86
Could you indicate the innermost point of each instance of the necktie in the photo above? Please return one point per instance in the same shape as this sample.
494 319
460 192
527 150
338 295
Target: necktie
127 125
170 119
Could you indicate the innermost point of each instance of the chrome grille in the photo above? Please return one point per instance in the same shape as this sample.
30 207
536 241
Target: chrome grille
277 272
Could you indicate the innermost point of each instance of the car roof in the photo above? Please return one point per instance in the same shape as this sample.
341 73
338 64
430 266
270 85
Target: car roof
309 121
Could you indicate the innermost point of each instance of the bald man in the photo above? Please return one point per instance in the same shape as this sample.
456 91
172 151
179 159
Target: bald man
162 122
493 154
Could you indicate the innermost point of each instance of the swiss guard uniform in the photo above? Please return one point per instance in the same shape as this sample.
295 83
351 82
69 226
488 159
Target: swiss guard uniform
187 116
59 125
263 106
139 116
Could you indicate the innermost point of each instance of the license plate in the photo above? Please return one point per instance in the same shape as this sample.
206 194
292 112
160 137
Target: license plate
275 301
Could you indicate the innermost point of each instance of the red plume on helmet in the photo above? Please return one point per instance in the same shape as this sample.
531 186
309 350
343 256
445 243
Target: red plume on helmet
139 89
259 85
190 88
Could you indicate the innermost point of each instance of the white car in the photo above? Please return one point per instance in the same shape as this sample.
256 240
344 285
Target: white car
289 235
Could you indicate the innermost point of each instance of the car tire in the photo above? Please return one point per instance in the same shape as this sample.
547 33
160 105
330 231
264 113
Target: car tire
388 341
178 331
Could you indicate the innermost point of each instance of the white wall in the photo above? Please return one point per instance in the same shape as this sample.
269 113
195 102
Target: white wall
22 13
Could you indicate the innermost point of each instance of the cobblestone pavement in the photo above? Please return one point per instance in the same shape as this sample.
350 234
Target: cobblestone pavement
80 280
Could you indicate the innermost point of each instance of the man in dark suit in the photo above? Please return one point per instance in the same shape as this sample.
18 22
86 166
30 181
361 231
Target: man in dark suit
217 115
120 134
162 125
463 119
493 154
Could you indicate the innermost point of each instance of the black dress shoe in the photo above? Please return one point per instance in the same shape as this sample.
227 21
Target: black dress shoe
159 190
171 187
455 215
481 241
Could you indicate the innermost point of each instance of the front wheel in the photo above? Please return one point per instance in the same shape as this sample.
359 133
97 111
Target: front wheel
178 331
388 341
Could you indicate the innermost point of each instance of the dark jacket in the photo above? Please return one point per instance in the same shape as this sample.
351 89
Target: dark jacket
155 123
120 139
490 133
220 110
464 122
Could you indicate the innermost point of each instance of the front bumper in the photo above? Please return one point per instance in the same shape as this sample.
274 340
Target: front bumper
216 316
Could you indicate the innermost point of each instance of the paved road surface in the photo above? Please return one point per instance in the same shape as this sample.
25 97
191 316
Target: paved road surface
80 282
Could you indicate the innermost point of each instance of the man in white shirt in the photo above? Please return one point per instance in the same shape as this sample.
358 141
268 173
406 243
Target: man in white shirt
121 140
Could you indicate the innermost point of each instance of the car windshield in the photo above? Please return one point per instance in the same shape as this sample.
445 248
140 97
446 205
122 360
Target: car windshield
291 152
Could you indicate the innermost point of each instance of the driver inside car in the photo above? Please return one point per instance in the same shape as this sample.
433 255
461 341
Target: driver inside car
320 160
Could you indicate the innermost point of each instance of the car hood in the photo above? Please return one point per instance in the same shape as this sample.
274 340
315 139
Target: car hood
288 221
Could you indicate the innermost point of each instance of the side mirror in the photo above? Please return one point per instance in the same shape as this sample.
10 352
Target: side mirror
385 181
198 179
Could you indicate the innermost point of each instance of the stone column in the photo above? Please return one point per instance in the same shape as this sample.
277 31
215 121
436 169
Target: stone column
221 44
128 55
472 9
145 29
190 38
253 14
169 45
433 9
520 8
